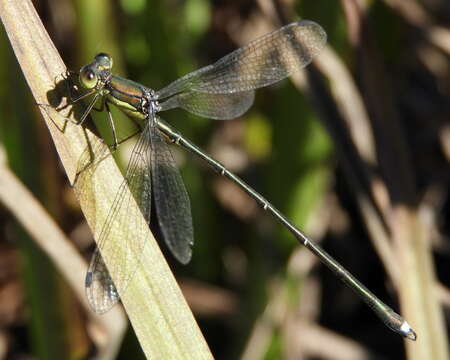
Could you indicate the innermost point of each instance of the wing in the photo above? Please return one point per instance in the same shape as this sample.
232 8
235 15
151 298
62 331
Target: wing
262 62
101 292
212 106
173 208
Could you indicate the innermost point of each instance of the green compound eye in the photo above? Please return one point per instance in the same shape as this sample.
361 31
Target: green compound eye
88 79
104 61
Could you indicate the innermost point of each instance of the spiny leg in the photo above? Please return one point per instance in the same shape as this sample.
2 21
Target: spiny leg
113 126
94 156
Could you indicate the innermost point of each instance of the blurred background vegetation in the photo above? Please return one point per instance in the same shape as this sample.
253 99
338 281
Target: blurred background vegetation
355 153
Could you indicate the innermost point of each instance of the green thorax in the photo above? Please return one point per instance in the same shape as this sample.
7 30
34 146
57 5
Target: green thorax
126 95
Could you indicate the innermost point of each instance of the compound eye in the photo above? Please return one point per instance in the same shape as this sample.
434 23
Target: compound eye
88 79
104 61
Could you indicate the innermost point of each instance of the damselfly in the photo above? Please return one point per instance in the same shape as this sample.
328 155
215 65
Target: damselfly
223 90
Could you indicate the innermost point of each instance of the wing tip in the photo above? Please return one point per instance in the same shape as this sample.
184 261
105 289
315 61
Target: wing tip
185 257
317 30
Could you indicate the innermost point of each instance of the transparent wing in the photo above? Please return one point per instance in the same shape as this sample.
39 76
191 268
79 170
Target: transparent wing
212 106
96 151
262 62
100 290
173 208
84 184
102 294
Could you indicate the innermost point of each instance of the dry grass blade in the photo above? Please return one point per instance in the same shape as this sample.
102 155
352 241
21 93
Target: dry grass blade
159 314
41 227
406 250
410 235
414 13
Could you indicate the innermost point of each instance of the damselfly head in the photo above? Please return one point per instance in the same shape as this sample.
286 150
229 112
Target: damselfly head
90 74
